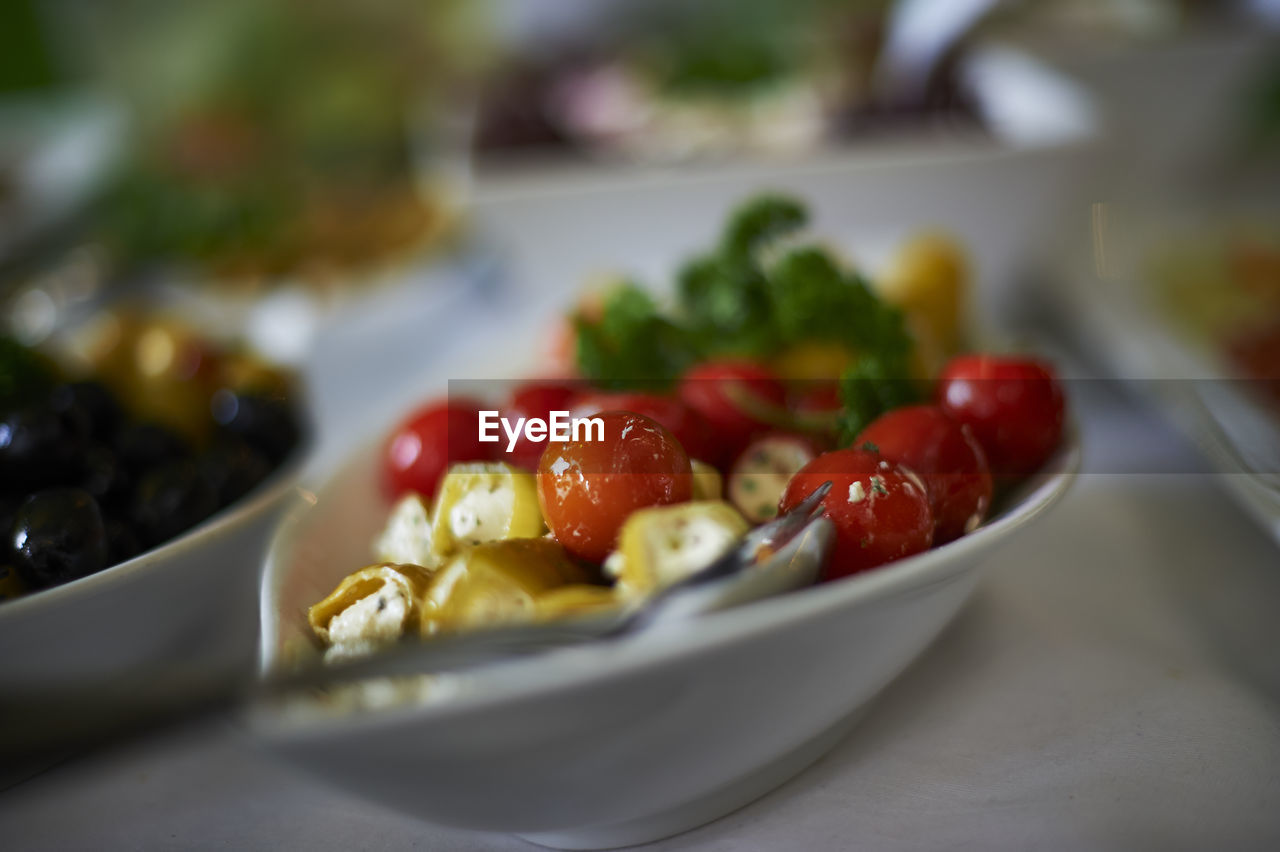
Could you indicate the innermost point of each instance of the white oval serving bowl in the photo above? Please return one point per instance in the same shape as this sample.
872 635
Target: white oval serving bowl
619 742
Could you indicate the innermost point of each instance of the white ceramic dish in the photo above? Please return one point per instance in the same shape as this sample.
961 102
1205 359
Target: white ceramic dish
1105 295
621 742
176 620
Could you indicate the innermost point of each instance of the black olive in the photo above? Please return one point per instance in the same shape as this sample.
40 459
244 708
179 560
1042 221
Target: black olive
38 449
106 477
268 423
169 500
8 511
122 543
58 536
232 468
88 406
143 446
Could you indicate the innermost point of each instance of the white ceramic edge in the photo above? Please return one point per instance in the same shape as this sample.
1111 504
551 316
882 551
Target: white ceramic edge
227 520
549 672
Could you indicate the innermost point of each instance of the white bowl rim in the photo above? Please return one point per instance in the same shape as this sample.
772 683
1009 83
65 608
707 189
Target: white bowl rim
620 658
226 520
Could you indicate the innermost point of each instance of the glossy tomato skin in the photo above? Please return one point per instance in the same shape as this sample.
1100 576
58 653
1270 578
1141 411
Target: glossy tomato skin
711 388
587 489
816 405
815 397
1014 406
528 400
945 455
880 510
426 442
687 426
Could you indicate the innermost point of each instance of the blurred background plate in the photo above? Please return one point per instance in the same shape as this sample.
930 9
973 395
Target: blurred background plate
1181 301
55 153
558 227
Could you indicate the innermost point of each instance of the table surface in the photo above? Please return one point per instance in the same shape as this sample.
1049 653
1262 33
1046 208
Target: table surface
1113 684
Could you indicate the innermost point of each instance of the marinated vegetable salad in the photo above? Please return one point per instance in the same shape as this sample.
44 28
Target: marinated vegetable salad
776 370
104 457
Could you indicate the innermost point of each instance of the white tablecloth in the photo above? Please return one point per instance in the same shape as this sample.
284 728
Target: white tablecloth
1115 684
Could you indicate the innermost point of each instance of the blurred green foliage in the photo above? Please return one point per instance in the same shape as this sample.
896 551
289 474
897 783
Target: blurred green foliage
26 61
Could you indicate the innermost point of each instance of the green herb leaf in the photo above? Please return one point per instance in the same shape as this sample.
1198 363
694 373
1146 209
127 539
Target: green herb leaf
726 307
631 344
871 386
761 219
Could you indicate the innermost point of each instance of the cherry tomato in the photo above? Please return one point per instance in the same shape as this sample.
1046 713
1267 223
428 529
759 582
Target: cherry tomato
732 396
945 455
588 488
815 397
816 406
880 509
534 399
1014 406
426 442
688 426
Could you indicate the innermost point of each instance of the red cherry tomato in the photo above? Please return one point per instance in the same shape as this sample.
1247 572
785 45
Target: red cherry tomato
946 455
816 397
534 399
688 426
725 394
817 406
426 442
588 488
1014 406
880 510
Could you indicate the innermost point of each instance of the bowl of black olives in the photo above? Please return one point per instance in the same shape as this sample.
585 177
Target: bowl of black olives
139 477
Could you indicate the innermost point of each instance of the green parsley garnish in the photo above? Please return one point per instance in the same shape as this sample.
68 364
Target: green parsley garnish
757 292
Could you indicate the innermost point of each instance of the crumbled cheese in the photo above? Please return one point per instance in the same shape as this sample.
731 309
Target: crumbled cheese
856 492
373 621
407 535
482 515
690 546
613 564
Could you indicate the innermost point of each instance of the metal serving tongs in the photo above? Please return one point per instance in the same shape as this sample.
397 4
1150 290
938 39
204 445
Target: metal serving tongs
747 573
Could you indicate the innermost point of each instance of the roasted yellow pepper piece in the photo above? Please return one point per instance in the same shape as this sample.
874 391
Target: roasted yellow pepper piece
708 484
665 544
484 501
374 606
929 280
574 600
497 582
812 361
